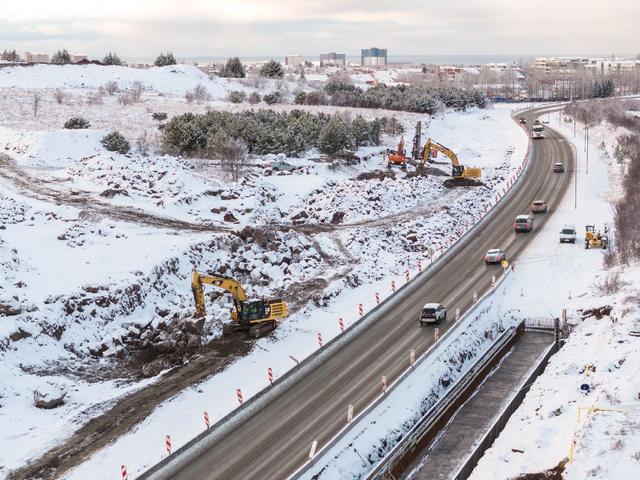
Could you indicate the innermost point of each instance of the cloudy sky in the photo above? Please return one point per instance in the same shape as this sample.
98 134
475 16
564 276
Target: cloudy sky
142 28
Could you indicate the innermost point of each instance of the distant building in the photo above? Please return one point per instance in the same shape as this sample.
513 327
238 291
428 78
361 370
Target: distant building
78 57
373 57
293 60
333 59
36 57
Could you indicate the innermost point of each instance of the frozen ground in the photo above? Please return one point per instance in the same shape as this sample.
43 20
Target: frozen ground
600 425
87 270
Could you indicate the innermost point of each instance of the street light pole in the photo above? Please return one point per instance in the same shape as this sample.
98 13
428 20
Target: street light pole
587 169
575 175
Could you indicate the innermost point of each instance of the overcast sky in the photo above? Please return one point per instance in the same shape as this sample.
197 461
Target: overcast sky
143 28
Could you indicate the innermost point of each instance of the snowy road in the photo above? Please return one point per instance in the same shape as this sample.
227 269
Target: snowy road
275 440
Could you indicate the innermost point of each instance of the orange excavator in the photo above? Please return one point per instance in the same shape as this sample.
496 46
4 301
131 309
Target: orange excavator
398 158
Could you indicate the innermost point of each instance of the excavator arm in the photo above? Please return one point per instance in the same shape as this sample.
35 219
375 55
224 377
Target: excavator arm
431 145
228 284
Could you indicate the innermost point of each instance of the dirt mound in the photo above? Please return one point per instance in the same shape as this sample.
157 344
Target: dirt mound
377 174
427 171
467 182
554 473
597 312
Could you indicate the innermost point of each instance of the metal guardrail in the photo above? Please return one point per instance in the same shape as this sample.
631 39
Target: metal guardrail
436 418
199 444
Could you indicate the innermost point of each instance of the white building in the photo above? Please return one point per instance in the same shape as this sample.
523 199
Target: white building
36 57
293 60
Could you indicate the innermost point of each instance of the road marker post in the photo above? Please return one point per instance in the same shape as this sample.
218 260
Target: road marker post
521 292
360 309
412 357
377 298
436 334
312 452
457 314
570 298
350 414
320 339
384 384
475 296
270 375
419 266
407 275
167 444
206 419
341 324
239 395
393 286
123 471
493 281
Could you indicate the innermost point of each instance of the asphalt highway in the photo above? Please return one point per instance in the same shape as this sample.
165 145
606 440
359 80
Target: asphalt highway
275 441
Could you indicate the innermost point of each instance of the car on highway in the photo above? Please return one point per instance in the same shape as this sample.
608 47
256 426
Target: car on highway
568 234
558 167
523 223
432 313
539 206
523 121
495 255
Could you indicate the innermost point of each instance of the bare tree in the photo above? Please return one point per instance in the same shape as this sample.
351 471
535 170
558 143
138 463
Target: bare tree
143 144
231 152
198 94
36 104
58 95
111 87
136 91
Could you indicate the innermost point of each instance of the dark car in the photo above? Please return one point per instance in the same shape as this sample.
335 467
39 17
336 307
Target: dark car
558 167
523 121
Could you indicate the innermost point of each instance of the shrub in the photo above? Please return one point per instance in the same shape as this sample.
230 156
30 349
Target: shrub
236 96
198 94
115 142
335 136
272 98
111 59
76 123
111 87
254 98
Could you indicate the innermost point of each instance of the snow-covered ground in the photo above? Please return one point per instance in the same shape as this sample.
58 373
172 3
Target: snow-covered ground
598 429
95 246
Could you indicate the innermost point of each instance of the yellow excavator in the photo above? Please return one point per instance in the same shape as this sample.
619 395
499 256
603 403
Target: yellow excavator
594 238
461 175
254 316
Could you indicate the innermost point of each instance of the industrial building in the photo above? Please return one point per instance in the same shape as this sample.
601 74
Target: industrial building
373 57
333 59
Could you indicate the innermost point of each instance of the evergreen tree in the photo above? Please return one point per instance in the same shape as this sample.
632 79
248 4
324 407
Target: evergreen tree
164 60
272 69
360 131
112 59
115 142
233 69
335 136
9 56
61 57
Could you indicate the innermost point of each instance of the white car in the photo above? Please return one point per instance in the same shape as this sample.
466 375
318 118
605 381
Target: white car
568 234
432 313
495 255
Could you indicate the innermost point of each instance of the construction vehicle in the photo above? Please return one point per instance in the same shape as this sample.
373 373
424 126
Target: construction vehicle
254 316
595 239
398 158
461 175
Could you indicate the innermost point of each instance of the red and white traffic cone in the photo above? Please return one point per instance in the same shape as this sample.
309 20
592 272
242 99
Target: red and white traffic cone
320 339
239 395
167 444
123 470
206 419
270 375
341 324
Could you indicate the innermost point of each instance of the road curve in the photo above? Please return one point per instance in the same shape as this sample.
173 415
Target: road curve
275 440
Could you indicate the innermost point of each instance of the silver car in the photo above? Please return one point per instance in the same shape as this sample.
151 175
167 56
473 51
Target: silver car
495 255
432 313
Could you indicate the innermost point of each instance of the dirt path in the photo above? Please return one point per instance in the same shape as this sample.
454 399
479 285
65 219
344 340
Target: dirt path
127 412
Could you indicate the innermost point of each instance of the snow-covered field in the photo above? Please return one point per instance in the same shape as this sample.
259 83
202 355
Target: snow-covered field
97 246
598 429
